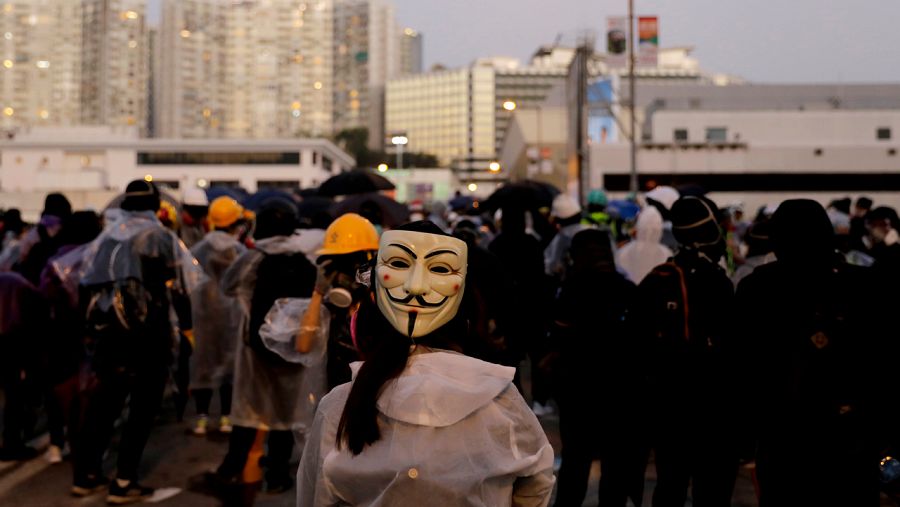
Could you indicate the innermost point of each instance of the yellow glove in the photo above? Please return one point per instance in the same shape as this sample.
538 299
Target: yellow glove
189 334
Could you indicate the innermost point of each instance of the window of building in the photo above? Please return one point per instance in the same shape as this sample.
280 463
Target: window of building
716 134
173 184
883 133
680 135
224 184
211 158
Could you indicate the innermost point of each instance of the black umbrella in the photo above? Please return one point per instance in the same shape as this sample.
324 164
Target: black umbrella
256 201
526 194
315 211
378 208
357 181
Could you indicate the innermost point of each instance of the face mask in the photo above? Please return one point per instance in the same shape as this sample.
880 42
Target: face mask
420 279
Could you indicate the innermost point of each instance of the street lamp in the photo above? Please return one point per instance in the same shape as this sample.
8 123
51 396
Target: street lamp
494 166
509 105
400 141
382 168
472 187
202 183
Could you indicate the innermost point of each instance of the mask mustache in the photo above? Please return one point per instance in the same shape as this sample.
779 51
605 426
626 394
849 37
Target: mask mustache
419 299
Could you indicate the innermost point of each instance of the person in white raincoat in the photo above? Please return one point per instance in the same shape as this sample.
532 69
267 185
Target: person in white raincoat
272 393
421 423
640 256
216 317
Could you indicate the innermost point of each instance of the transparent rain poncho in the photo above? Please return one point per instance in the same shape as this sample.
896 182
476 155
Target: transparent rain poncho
120 252
646 252
129 237
216 317
454 432
280 394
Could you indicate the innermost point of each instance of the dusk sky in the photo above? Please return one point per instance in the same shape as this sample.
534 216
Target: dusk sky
761 40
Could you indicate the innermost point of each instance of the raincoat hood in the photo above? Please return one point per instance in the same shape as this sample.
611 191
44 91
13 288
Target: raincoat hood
802 234
438 389
278 245
649 225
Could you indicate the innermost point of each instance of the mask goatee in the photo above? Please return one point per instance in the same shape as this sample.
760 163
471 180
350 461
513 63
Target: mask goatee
412 324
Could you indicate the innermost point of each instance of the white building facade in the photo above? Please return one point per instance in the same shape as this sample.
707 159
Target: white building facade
102 159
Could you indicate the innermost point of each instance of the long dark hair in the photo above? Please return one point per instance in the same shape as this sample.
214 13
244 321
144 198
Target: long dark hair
385 351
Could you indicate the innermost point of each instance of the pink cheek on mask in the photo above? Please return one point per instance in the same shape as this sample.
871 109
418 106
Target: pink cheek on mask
456 287
387 277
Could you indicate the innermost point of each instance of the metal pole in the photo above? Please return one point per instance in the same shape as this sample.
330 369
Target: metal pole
633 183
399 156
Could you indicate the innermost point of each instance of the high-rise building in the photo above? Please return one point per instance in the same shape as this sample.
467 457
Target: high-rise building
250 68
410 52
461 115
366 56
40 63
115 63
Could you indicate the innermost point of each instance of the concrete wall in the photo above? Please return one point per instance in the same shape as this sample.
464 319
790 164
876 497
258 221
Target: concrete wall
813 128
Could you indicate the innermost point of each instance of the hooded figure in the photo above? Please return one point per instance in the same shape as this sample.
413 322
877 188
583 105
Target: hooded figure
594 350
421 423
137 274
683 320
217 317
566 212
818 367
271 392
22 315
646 252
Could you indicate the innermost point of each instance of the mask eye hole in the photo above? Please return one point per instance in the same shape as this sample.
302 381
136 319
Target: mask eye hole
440 269
398 264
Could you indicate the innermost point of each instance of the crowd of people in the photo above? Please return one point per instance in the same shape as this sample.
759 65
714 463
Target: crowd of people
395 362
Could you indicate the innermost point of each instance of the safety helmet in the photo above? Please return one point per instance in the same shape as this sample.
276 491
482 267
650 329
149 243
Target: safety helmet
597 197
225 211
194 197
167 214
349 233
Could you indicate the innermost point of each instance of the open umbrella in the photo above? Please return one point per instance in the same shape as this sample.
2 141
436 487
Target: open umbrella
315 211
379 209
257 200
623 208
357 181
238 194
527 194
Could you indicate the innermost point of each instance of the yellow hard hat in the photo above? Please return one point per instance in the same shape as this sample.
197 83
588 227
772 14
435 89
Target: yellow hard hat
349 233
224 211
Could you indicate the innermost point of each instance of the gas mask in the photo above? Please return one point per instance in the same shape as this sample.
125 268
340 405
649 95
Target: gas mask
346 289
420 278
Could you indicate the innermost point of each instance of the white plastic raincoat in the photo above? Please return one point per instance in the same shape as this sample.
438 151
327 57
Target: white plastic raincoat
273 395
217 317
646 252
454 432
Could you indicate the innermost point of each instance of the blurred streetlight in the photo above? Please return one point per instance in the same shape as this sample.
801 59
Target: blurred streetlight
472 187
148 177
509 105
399 141
382 168
494 166
202 183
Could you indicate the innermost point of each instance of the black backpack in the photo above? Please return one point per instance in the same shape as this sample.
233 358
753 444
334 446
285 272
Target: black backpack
278 276
669 312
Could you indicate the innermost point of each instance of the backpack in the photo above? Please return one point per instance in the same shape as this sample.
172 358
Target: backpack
120 304
277 276
668 315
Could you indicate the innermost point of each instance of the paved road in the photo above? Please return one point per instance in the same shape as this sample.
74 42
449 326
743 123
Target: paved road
173 458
